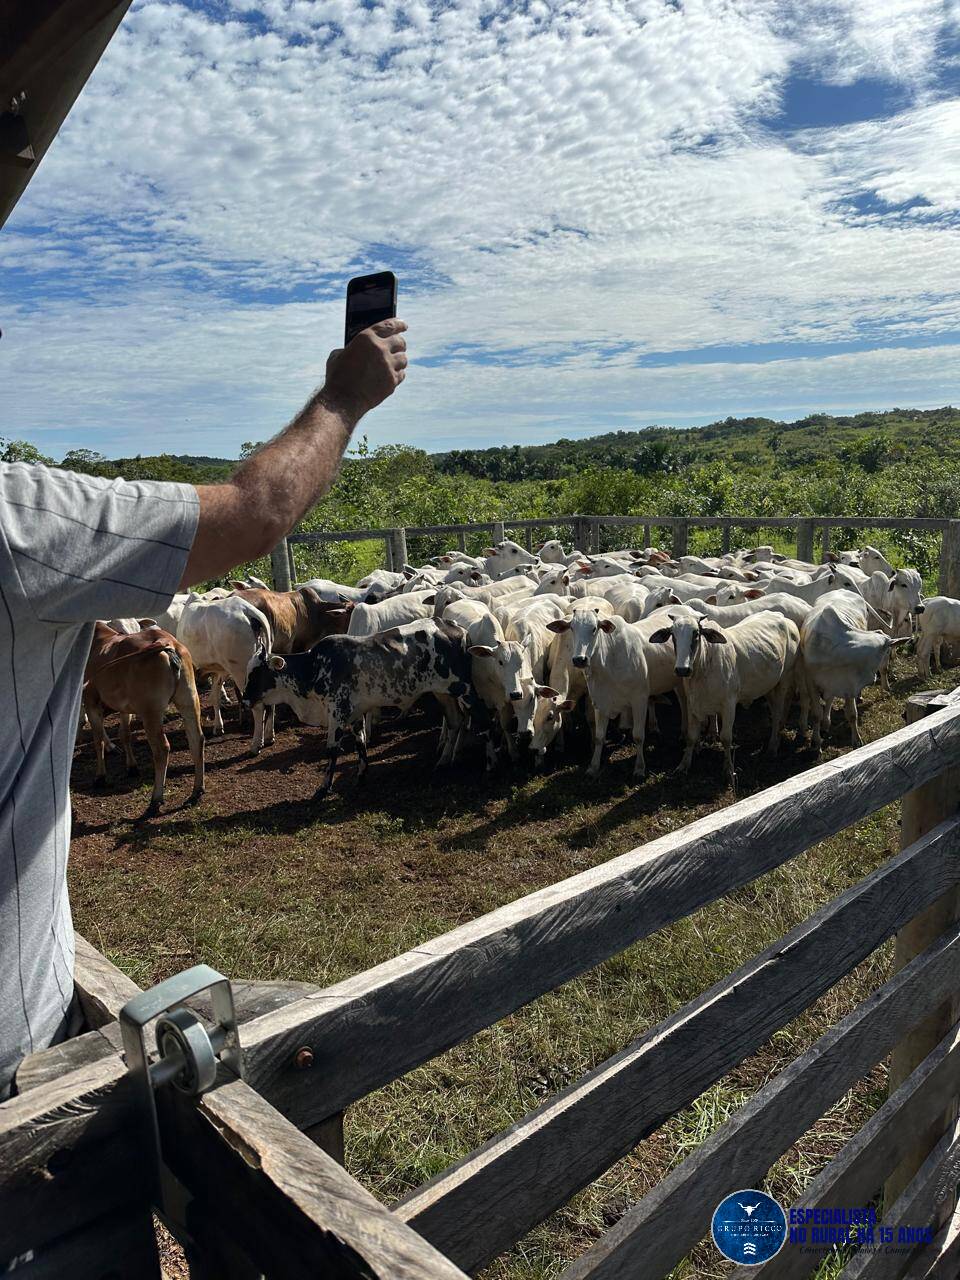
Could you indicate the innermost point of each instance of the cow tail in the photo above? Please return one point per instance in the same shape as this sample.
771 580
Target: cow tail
176 662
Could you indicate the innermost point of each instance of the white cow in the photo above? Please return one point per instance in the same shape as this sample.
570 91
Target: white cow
899 594
870 560
939 621
729 615
368 619
611 655
840 658
723 668
505 555
225 639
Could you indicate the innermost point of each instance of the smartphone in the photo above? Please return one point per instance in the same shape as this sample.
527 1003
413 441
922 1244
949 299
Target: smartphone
369 300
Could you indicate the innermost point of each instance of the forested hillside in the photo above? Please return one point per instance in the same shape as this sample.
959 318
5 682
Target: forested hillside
901 463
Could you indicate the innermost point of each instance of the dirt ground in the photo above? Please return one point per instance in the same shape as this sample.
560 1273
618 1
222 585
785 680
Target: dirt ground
262 881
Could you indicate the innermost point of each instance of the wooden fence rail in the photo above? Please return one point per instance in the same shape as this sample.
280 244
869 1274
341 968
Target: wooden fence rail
260 1198
586 534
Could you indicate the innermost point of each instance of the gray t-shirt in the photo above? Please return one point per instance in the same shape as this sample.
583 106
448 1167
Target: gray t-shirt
72 549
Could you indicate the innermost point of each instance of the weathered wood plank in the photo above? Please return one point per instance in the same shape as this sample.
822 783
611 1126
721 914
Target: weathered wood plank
857 1172
941 1259
923 808
101 987
669 1221
69 1153
51 1064
291 1208
118 1246
374 1027
916 1207
489 1200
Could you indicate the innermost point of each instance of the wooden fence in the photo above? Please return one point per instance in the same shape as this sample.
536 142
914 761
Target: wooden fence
586 533
252 1185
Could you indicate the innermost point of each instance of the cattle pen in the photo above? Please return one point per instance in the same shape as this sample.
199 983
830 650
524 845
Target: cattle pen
588 534
246 1170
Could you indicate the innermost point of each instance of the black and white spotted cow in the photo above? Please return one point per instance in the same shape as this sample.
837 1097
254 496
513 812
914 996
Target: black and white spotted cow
343 678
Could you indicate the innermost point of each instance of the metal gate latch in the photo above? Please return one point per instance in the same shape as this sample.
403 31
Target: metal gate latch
187 1050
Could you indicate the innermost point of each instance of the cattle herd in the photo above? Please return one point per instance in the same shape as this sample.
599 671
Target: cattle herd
513 645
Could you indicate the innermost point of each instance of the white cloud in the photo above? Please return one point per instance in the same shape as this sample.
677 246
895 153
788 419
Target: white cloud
560 178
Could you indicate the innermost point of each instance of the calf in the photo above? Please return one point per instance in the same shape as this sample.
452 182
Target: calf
505 555
870 560
344 678
225 637
610 652
140 675
898 594
298 619
939 621
791 607
726 668
840 658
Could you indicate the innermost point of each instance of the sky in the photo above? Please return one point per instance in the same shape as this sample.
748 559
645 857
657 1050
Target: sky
602 214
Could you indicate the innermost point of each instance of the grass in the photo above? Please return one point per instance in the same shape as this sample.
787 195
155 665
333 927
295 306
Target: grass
262 883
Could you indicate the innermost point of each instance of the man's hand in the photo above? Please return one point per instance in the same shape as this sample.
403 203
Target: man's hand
367 370
248 515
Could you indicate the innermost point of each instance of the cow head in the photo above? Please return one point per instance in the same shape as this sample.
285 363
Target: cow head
508 665
688 631
585 626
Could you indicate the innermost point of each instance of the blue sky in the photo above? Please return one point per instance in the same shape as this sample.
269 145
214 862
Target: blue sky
602 213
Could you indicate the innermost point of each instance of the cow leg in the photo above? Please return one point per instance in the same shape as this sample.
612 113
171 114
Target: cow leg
187 703
923 656
95 716
776 701
850 710
694 725
215 704
359 733
885 671
640 709
599 738
334 737
160 750
937 659
726 739
449 730
270 727
126 726
259 716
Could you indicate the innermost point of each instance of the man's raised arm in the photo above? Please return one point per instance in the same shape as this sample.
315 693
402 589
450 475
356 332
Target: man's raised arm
246 517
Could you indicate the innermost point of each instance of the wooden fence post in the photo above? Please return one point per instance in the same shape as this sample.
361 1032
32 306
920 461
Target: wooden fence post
725 540
647 532
950 560
499 533
595 536
280 566
388 555
805 540
680 539
826 543
292 562
922 810
398 540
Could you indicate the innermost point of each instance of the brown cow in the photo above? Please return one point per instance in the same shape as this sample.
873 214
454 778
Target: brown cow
299 619
140 675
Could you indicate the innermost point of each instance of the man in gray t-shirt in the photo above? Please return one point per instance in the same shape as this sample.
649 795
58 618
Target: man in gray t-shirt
77 548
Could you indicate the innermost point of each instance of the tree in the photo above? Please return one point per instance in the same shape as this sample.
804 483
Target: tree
21 451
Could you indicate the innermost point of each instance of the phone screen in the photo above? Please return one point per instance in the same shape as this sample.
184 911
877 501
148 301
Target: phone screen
370 299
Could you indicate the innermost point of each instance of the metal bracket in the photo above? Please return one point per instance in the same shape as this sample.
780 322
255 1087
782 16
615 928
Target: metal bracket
187 1050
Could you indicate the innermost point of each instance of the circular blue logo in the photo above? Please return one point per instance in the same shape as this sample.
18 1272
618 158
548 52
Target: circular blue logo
749 1227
